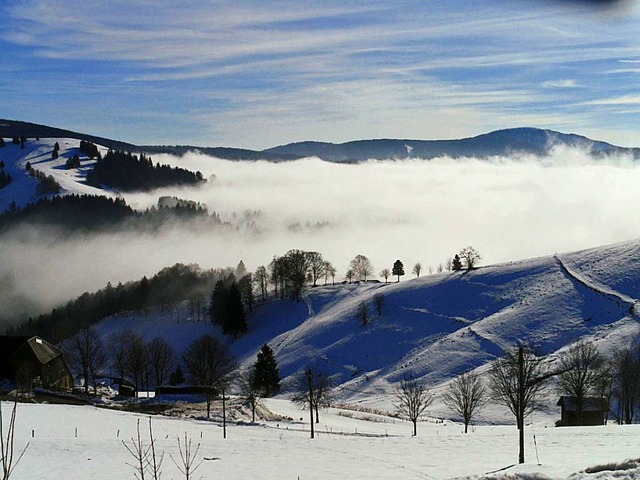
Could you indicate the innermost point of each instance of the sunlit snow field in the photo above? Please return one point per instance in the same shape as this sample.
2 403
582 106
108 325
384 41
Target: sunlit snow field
344 447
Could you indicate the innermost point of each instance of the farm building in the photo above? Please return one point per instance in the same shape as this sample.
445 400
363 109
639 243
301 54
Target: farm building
34 362
593 411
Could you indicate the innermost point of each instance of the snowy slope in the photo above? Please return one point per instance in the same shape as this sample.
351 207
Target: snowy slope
22 189
436 326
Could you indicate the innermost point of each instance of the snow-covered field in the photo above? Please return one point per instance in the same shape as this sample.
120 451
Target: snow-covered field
366 446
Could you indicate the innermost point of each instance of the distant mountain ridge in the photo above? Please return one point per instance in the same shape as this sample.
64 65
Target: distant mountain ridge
507 142
514 141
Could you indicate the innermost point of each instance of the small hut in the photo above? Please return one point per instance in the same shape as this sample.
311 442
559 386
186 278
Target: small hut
593 411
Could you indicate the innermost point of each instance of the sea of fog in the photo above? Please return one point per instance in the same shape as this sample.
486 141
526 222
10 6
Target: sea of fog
413 210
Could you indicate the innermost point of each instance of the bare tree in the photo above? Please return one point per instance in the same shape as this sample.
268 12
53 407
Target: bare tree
604 384
417 268
118 346
296 267
87 354
261 280
317 266
516 381
187 462
245 288
626 371
322 390
209 364
140 454
162 358
196 305
137 362
413 399
579 366
385 273
7 443
470 256
361 267
349 275
466 396
378 301
331 272
448 264
250 391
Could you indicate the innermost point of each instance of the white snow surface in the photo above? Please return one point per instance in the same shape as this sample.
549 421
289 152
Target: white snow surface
348 444
22 189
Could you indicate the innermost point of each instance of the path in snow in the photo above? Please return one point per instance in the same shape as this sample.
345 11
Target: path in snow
607 292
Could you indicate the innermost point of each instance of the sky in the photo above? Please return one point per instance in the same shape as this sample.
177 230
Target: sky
257 74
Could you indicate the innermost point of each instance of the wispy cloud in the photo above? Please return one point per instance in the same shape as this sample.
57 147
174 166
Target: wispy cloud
371 66
623 100
565 83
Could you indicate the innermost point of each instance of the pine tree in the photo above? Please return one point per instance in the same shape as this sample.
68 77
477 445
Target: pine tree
218 302
235 321
398 269
457 263
267 374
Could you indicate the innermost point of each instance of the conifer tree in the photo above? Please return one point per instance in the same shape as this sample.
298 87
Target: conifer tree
235 321
267 374
218 302
398 269
457 263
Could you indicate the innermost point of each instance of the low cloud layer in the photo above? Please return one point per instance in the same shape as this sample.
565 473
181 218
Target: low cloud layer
414 210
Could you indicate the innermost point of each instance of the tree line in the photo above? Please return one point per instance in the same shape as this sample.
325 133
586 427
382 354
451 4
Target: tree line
207 365
165 291
96 213
127 172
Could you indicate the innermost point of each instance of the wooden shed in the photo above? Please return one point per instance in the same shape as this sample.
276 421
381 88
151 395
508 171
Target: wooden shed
593 411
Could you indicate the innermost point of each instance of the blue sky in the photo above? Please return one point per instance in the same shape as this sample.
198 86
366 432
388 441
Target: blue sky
256 74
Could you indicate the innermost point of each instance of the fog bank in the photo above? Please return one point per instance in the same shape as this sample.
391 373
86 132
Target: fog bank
414 210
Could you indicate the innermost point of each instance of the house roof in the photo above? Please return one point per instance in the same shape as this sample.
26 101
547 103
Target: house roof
43 350
591 404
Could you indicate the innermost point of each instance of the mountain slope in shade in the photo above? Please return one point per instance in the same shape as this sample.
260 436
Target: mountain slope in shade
436 326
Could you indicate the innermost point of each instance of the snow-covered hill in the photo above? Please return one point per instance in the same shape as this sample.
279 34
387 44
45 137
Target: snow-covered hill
23 189
436 326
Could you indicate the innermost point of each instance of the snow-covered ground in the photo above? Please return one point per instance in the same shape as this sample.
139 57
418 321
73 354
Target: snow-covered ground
350 445
22 189
434 327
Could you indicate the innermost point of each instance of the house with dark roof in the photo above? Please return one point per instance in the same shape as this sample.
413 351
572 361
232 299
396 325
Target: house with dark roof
593 411
33 362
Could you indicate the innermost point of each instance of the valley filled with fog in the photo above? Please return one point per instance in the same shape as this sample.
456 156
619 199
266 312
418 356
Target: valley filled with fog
414 210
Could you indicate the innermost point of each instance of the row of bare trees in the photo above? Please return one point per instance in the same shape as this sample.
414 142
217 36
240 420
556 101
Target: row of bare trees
519 380
208 362
129 357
